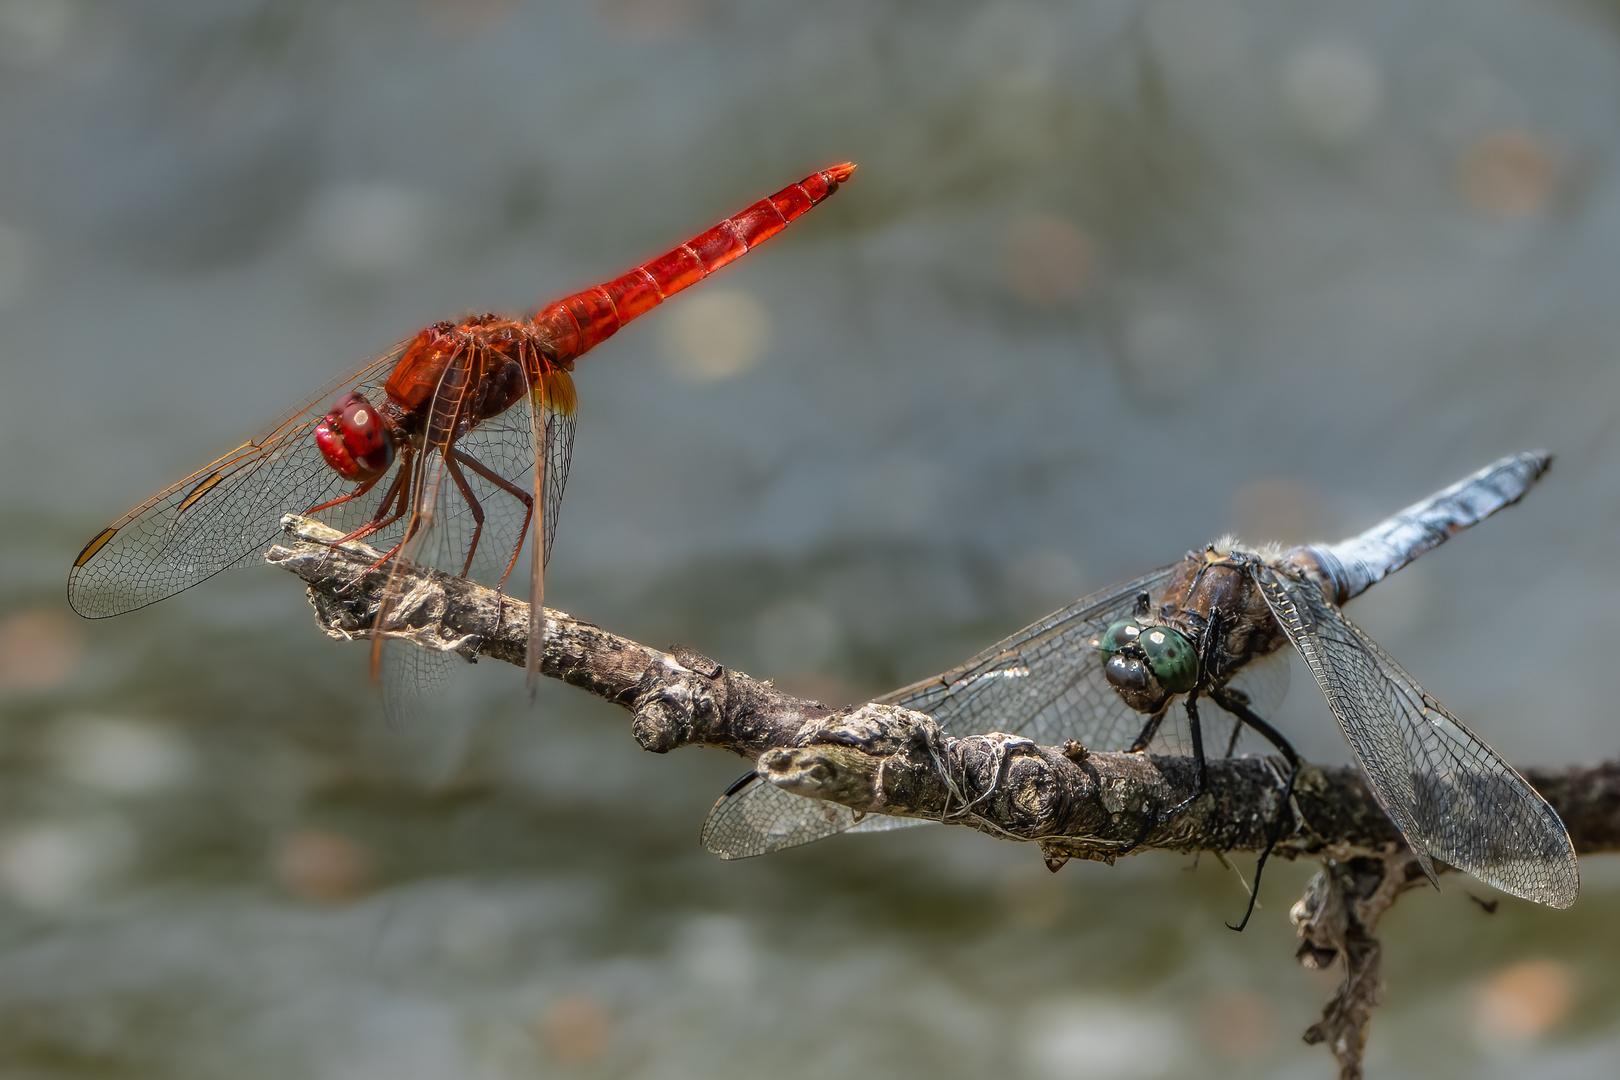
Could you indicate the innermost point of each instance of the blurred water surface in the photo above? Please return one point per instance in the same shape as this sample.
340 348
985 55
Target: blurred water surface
1113 279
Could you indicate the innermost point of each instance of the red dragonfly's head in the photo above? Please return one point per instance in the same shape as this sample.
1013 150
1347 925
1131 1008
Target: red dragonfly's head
353 439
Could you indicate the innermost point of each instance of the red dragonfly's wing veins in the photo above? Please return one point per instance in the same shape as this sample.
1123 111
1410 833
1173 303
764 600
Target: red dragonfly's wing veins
555 408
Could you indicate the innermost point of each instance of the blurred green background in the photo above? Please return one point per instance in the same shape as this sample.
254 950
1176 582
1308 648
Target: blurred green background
1113 278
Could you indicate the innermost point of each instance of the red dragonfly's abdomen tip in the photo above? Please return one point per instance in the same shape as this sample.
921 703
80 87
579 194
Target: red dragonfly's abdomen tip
575 324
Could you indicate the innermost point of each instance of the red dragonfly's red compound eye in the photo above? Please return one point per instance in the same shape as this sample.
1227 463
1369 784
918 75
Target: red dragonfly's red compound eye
353 440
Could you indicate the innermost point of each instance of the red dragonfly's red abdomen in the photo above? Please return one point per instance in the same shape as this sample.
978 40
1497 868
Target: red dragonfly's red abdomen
574 325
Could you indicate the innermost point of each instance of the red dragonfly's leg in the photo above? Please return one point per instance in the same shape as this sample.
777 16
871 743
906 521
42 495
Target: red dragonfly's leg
580 322
378 520
375 523
473 504
355 494
399 491
408 468
505 485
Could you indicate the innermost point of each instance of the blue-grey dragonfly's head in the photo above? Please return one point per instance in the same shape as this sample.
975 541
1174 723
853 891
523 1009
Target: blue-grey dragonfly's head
1147 665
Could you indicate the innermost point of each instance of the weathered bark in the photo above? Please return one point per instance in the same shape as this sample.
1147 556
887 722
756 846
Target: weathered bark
1073 802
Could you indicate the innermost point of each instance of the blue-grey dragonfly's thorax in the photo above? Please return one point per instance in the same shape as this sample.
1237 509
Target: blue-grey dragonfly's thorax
1158 653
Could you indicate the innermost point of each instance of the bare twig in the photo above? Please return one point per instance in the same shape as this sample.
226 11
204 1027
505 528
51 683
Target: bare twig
883 759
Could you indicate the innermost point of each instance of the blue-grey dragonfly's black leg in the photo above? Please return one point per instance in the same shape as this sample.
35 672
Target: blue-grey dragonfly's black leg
1231 704
1238 708
1195 730
1237 729
1149 729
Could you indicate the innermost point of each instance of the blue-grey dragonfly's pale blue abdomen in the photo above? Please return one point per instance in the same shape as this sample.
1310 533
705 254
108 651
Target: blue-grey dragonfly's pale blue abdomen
1358 562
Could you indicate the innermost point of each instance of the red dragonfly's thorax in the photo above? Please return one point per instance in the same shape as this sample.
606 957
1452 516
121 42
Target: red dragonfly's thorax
470 372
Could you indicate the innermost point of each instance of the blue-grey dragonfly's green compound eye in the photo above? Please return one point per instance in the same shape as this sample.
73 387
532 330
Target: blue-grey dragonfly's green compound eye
1116 637
1172 657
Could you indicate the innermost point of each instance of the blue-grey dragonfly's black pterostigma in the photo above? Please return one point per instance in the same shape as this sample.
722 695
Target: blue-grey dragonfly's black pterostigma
1119 669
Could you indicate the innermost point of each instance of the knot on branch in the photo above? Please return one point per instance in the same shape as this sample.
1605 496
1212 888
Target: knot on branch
875 757
1010 778
676 704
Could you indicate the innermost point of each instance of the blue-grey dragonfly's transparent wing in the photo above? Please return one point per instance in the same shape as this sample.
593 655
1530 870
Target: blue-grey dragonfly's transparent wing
1452 797
755 817
1044 682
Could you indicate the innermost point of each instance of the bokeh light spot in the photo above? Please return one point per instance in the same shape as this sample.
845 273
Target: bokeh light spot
1239 1025
715 335
1523 1001
574 1030
650 20
470 16
51 865
1101 1040
1332 91
38 650
35 32
322 866
116 756
1510 173
1048 259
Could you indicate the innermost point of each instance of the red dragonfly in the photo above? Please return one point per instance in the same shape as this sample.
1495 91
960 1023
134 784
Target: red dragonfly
442 448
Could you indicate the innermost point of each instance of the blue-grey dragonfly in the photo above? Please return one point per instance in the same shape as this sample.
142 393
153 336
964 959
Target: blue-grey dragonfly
1122 669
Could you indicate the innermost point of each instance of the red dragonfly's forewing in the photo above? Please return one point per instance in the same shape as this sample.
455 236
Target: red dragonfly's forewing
221 515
